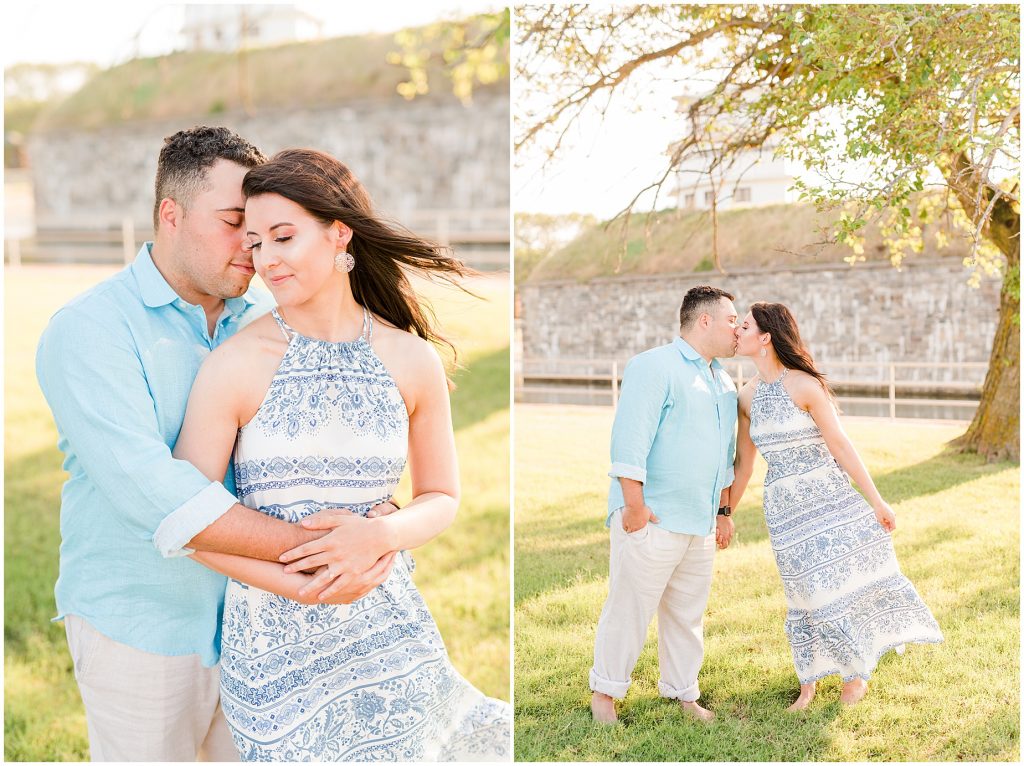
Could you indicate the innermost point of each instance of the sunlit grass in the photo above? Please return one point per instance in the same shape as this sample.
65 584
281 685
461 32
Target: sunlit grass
957 540
463 574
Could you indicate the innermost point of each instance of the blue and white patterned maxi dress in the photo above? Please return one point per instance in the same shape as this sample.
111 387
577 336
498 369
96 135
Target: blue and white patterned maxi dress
848 603
366 682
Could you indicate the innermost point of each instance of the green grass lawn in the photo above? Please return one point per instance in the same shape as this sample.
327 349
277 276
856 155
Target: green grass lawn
957 539
463 574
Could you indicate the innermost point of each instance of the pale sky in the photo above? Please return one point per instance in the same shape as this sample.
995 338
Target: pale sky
606 163
606 160
106 32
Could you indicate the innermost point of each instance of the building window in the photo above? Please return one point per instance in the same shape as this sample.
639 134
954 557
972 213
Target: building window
742 194
689 201
709 197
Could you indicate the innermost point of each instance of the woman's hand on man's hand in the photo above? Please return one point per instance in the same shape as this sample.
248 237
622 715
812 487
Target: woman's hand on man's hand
345 589
352 558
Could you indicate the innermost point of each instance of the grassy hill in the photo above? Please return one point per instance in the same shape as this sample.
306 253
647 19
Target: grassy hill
674 241
193 84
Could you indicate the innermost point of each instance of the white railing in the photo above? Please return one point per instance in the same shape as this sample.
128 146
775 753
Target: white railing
483 225
75 245
480 237
600 379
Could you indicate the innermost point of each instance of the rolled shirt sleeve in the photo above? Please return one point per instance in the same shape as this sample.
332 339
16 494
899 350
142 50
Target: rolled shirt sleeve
642 399
625 471
191 518
94 382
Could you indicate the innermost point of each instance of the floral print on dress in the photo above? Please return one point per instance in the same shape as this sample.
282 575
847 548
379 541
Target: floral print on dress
848 603
319 382
369 681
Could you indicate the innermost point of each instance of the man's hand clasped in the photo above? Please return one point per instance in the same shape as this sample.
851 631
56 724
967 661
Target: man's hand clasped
349 561
724 531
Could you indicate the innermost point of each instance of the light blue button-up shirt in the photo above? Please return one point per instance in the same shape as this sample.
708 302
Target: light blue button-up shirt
116 365
675 431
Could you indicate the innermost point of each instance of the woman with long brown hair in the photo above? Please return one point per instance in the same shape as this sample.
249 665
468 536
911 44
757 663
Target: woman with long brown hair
848 603
324 401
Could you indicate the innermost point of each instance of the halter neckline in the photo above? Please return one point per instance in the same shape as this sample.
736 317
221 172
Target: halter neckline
365 335
777 380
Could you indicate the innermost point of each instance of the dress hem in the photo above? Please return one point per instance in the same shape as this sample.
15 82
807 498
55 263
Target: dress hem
866 675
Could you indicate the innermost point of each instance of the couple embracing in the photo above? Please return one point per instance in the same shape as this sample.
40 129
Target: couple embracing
675 482
232 462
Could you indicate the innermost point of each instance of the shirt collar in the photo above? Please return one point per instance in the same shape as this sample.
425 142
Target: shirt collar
237 306
153 287
691 354
156 291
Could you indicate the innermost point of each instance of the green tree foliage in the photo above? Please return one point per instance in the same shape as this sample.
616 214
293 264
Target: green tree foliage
473 52
916 97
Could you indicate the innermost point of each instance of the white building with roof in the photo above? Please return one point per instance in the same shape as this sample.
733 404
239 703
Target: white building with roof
752 177
230 27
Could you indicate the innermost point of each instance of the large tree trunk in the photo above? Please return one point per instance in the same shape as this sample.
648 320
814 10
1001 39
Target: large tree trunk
995 430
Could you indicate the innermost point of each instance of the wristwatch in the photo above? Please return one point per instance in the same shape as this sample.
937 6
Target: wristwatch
725 510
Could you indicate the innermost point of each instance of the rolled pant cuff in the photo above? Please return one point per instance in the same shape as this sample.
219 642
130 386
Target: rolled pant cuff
615 689
689 694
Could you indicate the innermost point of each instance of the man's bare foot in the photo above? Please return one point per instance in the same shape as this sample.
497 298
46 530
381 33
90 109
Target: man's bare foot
806 695
697 711
602 707
853 691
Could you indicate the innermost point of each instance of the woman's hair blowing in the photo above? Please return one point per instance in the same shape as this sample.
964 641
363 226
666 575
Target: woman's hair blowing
776 319
329 192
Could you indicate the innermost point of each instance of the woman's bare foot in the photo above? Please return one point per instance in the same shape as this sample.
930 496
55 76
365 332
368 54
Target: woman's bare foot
697 711
853 691
806 695
602 707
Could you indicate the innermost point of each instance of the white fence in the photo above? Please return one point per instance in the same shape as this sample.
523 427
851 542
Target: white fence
75 246
479 237
898 384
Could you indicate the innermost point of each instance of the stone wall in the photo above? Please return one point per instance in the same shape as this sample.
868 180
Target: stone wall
426 154
925 312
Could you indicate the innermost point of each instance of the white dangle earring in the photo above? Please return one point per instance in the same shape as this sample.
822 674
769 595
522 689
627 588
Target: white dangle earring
764 351
344 261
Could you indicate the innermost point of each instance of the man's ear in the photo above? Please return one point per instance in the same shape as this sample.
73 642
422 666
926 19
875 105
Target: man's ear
169 214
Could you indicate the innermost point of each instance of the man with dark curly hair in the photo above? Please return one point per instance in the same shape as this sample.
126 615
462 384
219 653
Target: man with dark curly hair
116 365
672 448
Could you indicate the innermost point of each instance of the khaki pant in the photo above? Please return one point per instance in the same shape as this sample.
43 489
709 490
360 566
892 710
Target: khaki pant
653 569
147 707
